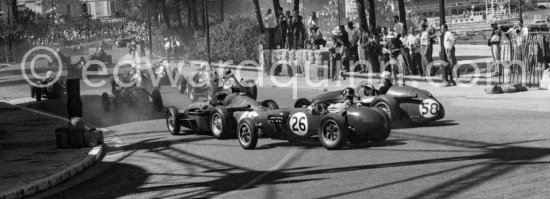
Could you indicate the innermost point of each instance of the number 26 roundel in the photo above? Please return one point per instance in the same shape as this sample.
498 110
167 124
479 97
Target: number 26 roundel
298 123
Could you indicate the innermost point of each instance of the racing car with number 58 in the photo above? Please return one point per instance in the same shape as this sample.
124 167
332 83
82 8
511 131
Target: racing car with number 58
401 103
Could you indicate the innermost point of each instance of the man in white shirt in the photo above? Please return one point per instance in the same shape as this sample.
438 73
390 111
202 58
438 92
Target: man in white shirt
449 44
413 41
398 27
167 48
270 25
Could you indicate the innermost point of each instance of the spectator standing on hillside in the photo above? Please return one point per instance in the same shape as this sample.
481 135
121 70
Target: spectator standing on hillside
362 47
345 51
289 31
413 41
398 27
393 48
496 38
353 42
316 37
298 31
282 28
167 48
449 44
335 49
313 20
270 25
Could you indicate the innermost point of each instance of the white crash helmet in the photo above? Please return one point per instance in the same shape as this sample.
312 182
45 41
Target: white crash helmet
386 75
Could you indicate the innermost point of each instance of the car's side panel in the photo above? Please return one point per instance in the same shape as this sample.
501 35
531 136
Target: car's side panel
288 123
365 120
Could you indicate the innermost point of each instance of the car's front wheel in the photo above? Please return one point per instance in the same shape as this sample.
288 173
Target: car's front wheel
333 132
157 100
172 120
105 101
220 123
247 134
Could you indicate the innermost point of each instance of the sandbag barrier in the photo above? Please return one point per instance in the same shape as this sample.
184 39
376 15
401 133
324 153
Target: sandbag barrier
316 61
533 54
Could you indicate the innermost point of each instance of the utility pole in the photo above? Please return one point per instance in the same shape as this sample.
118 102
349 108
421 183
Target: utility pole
520 10
443 56
149 27
207 25
338 5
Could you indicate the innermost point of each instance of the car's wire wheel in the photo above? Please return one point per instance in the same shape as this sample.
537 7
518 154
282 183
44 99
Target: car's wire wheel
331 132
245 134
217 124
384 107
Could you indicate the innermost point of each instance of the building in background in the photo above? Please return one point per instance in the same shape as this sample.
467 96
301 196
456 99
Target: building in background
6 14
69 9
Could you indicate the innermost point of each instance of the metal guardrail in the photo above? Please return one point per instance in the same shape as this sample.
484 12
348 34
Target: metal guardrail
525 60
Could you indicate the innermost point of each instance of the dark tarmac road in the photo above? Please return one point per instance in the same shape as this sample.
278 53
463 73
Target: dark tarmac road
471 153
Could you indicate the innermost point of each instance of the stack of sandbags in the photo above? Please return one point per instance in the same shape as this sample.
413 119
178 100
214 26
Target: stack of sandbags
76 136
506 88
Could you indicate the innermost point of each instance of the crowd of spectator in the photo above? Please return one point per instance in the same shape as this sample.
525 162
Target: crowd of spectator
78 33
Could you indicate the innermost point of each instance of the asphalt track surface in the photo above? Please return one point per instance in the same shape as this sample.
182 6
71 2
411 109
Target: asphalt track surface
471 153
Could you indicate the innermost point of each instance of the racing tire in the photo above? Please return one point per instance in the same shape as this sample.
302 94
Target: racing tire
33 91
270 104
139 98
105 102
182 85
157 100
381 136
247 133
333 131
221 123
118 103
38 94
300 103
173 120
389 106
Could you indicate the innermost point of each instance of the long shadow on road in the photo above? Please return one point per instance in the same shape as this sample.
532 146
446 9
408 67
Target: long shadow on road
496 160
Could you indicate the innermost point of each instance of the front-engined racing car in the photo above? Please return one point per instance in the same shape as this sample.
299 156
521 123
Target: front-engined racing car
140 92
400 102
206 82
218 115
334 124
53 91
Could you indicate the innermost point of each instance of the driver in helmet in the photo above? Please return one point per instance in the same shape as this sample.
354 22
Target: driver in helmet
386 82
349 95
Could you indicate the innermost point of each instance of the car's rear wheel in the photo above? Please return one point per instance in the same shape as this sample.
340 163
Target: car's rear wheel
38 94
105 102
389 106
384 133
333 132
33 91
270 104
172 120
182 86
300 103
221 123
247 134
157 100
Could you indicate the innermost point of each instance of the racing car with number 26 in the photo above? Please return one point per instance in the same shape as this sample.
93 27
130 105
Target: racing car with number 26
333 125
